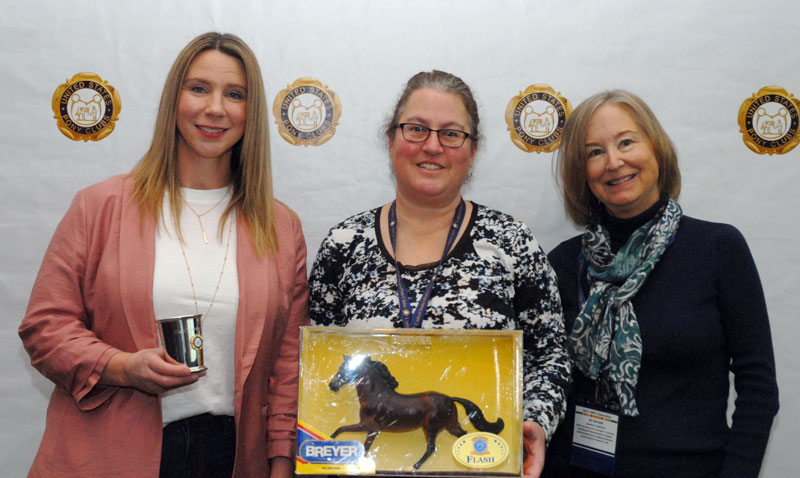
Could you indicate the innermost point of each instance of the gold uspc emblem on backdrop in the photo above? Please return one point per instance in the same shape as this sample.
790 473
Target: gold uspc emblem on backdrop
86 107
536 118
768 121
307 112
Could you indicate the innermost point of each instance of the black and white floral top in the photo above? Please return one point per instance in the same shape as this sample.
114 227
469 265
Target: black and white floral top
496 277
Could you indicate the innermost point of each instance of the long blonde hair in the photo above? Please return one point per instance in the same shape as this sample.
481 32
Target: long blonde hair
251 174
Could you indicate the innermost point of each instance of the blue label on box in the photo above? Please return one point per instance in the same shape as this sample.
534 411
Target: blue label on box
336 452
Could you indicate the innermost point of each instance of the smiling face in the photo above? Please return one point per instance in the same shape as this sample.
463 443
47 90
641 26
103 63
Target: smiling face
212 108
621 166
428 173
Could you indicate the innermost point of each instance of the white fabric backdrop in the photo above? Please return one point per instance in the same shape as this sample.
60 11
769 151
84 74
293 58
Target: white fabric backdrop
693 62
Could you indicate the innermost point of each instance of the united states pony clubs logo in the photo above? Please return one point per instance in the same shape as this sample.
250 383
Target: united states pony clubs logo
307 112
536 118
768 121
86 107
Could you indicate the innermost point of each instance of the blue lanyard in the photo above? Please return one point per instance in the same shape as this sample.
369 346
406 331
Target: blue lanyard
415 320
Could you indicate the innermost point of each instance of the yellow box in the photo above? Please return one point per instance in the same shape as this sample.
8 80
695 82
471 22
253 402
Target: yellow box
382 389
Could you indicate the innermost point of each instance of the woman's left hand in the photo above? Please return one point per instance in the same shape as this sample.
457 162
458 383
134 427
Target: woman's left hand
533 441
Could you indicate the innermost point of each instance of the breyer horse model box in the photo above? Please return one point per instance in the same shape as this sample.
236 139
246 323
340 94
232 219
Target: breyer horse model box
410 402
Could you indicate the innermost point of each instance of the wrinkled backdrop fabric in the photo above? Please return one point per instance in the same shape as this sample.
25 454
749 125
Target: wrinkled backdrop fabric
693 62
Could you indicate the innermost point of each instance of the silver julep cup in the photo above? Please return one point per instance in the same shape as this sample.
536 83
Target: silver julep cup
182 337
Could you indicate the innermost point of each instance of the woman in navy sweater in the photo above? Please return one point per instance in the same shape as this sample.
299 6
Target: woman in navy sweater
660 308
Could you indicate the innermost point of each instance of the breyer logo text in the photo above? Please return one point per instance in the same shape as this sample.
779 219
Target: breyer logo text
316 451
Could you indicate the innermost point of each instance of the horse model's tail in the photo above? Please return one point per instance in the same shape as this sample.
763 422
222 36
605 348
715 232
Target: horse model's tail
475 416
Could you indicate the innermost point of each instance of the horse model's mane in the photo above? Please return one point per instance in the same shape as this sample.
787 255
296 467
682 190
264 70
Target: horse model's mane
384 374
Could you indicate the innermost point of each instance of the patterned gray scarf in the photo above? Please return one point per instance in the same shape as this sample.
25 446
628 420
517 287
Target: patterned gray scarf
605 341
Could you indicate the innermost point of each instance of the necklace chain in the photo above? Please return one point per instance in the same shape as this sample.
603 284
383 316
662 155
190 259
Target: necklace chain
202 229
222 270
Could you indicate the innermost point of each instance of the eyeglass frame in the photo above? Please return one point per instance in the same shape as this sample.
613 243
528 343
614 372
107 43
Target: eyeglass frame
431 130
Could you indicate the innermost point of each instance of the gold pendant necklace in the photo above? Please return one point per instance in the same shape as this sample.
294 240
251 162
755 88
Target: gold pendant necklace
222 270
202 229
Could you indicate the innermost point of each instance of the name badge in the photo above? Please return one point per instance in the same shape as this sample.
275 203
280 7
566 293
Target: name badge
594 440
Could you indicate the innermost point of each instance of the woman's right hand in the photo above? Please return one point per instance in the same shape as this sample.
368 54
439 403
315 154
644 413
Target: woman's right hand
149 370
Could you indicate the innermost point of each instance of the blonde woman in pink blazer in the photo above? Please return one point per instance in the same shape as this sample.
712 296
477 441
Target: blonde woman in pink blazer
193 228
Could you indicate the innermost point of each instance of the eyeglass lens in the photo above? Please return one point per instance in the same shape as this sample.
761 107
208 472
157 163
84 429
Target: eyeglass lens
417 133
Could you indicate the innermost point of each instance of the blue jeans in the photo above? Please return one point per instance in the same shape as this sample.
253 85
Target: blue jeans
203 446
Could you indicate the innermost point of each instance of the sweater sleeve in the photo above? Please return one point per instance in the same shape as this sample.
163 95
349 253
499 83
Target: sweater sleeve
743 312
538 308
325 283
56 330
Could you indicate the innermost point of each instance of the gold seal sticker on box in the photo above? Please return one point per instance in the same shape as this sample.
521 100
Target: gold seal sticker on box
480 450
390 402
536 118
86 107
768 121
307 112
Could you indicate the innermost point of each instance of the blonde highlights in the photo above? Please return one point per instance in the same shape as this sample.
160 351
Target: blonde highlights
156 173
579 202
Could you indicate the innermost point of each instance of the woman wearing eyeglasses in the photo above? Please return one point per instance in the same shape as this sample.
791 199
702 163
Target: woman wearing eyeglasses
431 259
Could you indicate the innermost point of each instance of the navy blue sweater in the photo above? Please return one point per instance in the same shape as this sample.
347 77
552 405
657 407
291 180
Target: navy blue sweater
702 315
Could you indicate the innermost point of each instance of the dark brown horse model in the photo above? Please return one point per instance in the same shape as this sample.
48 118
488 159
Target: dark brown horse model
384 409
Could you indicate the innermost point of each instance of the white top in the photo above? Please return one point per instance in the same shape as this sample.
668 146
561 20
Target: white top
172 296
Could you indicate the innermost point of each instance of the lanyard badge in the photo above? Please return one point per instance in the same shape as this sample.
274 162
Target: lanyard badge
594 439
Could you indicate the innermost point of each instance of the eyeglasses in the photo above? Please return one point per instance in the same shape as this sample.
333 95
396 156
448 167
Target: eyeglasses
417 133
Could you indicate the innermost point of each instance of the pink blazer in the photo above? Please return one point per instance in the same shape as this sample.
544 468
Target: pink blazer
94 296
